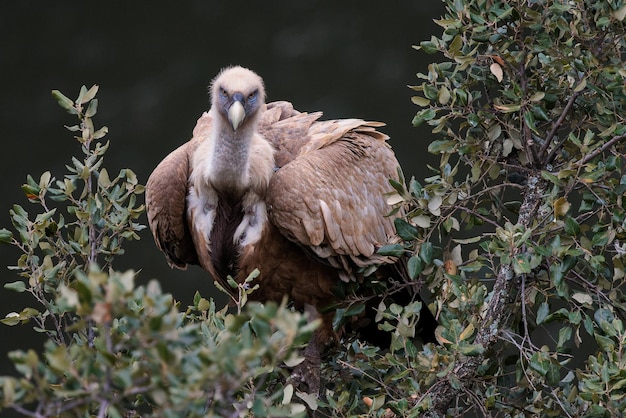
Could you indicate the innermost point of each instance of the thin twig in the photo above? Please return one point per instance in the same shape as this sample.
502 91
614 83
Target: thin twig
478 215
603 148
531 153
558 123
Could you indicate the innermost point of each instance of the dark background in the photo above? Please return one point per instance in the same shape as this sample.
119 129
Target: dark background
153 62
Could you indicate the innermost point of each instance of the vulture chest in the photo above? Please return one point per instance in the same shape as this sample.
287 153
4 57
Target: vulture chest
285 268
224 250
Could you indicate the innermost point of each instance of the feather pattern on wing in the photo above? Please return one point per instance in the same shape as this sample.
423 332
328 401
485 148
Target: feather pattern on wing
331 198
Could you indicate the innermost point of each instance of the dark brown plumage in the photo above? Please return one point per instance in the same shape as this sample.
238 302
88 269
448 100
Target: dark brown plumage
268 187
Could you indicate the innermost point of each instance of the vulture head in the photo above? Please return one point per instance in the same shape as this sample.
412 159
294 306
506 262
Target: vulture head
238 96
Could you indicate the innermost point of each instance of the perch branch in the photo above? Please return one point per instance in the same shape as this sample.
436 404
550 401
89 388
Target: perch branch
443 393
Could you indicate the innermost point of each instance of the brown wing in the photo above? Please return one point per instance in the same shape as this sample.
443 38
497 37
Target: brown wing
166 193
331 198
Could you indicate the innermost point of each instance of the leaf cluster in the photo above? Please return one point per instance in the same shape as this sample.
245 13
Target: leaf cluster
519 232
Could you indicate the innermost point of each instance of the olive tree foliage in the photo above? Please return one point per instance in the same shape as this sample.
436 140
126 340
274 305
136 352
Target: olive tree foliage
521 230
116 349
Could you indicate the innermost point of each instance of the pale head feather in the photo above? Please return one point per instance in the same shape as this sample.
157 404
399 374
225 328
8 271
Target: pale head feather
238 79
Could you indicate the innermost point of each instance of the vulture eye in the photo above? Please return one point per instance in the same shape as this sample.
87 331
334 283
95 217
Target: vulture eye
252 96
223 93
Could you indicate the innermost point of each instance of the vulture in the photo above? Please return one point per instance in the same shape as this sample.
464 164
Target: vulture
264 186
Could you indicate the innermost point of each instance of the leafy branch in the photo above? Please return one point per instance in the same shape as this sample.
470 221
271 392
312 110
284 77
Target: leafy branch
116 349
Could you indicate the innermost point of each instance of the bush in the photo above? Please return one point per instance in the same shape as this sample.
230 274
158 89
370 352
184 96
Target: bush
520 231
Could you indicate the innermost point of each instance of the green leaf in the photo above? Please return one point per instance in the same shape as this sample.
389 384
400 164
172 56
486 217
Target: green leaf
521 265
552 178
565 334
571 227
471 349
58 359
204 304
394 250
65 102
537 97
426 252
405 230
92 108
444 96
428 47
581 86
543 312
18 286
424 116
6 236
11 319
86 95
414 266
606 344
441 146
355 309
529 118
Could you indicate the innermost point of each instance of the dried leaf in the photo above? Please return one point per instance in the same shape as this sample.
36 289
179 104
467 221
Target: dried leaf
450 267
440 338
423 221
394 199
434 205
561 207
496 70
620 13
583 298
467 332
420 101
498 59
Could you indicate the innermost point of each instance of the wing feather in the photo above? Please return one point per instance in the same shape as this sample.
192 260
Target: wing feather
331 196
166 192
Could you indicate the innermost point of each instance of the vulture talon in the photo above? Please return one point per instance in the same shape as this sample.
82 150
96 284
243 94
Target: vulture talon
326 183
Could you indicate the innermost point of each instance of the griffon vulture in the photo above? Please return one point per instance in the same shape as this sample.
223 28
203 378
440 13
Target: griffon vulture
265 186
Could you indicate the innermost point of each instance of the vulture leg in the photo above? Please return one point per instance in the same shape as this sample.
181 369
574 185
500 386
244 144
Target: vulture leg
306 375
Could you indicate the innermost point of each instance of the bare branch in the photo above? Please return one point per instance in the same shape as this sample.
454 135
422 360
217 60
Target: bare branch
558 123
603 148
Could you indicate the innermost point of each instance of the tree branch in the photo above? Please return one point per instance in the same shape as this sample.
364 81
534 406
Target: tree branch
558 123
603 148
443 393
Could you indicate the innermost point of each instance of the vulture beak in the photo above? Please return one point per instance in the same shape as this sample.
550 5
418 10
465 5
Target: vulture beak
236 112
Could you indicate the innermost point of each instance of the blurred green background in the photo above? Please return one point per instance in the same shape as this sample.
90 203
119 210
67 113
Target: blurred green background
154 61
